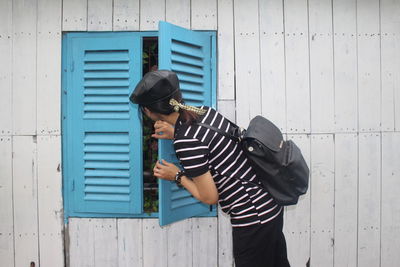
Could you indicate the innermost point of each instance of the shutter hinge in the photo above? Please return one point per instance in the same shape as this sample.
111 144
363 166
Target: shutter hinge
73 185
72 66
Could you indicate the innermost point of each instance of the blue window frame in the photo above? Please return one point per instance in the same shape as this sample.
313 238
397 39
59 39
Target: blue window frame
102 131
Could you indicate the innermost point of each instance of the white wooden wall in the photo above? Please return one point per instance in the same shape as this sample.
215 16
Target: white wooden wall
326 71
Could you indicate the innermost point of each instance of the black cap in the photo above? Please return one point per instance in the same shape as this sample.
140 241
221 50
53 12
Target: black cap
155 86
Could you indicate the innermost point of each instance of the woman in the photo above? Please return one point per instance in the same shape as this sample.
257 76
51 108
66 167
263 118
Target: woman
215 169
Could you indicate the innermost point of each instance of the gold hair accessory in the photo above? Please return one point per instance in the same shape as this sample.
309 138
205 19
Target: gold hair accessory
177 106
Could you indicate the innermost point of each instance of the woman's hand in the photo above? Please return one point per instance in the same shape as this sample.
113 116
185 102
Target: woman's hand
163 130
166 171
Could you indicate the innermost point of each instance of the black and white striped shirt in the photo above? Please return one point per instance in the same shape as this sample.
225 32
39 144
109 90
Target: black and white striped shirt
200 149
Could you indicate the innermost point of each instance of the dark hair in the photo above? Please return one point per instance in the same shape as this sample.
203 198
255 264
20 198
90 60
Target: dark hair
163 107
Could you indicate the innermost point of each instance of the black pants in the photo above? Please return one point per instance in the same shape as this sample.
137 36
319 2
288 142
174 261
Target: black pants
261 245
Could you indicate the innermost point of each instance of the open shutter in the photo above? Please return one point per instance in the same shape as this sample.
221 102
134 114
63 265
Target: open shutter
105 136
188 54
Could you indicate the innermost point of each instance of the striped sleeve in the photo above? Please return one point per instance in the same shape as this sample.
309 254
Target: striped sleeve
193 156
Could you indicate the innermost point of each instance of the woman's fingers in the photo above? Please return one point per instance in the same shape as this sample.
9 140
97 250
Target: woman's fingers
165 170
160 124
163 130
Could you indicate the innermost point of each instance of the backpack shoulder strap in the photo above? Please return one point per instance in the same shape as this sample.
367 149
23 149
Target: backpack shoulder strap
234 134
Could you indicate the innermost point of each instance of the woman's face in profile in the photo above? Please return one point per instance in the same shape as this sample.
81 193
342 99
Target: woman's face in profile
152 115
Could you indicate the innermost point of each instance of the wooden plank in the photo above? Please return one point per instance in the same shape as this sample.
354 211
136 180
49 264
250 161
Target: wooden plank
322 200
100 14
345 71
390 60
93 242
205 241
297 66
25 200
390 239
50 202
225 255
226 53
321 66
6 202
247 54
126 15
369 195
346 190
227 109
74 17
225 250
204 14
130 240
5 67
180 236
48 67
397 84
155 239
105 242
151 12
369 78
297 218
178 12
24 67
272 54
81 238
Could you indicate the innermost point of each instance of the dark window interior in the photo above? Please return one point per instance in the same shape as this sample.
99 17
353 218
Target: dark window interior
150 145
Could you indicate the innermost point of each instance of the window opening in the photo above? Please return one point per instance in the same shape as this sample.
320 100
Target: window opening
150 144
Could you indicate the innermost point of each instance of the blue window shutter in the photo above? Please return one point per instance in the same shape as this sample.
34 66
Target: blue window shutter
104 132
189 54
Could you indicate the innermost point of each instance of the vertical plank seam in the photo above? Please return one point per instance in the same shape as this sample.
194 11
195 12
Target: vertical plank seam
166 234
190 16
309 66
141 255
140 14
12 74
65 227
234 58
35 140
334 200
310 186
357 77
112 18
165 11
380 135
12 128
334 135
333 69
284 62
191 232
216 105
116 218
87 15
259 55
358 136
380 66
309 116
380 192
358 195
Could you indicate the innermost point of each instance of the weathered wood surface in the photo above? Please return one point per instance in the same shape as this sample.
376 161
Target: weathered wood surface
326 72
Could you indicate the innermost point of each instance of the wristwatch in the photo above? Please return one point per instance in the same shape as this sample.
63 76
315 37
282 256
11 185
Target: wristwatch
178 178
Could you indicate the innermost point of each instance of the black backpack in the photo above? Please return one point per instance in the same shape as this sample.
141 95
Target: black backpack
279 164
